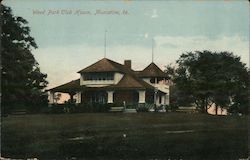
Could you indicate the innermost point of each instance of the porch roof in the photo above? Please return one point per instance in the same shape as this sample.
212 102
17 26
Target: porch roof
128 82
71 86
131 82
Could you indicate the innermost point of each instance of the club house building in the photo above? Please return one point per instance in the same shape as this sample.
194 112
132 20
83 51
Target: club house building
107 81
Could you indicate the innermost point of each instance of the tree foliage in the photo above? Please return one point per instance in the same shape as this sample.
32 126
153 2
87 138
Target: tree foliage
208 78
22 81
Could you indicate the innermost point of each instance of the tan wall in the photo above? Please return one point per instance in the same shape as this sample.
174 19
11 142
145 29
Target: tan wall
117 77
101 83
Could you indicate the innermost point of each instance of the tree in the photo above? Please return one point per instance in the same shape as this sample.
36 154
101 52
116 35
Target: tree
22 81
177 96
211 78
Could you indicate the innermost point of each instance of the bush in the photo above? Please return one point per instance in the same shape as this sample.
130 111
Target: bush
91 107
142 108
37 108
56 108
173 107
236 108
117 104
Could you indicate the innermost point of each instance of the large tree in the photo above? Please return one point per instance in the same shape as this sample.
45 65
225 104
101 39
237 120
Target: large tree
213 78
22 82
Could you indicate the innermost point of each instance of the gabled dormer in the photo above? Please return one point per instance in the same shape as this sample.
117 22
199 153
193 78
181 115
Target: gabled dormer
153 75
102 73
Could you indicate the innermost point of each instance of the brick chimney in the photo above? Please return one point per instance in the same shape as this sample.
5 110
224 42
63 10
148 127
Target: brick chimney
127 63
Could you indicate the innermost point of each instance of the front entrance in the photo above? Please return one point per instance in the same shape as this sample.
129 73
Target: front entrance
129 97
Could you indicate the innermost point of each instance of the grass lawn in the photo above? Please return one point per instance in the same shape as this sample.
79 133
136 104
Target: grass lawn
125 136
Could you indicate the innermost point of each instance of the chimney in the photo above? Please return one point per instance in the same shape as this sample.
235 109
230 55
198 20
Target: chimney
127 63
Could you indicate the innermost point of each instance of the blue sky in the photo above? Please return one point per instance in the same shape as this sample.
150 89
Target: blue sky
69 42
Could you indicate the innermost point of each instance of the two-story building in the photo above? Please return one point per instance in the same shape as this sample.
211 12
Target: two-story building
107 81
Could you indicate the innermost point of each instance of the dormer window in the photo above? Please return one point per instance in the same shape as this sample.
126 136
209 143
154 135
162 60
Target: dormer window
157 80
103 76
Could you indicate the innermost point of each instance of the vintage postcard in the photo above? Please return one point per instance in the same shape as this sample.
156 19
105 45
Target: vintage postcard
125 79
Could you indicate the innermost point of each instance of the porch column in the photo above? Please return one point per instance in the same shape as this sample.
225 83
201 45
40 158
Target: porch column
78 97
110 96
157 100
51 97
167 99
142 96
155 96
163 99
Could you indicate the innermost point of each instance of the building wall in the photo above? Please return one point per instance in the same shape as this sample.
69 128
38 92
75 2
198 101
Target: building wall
161 85
117 77
94 97
146 80
129 97
101 83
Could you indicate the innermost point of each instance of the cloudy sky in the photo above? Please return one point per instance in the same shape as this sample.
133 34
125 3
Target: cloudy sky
70 34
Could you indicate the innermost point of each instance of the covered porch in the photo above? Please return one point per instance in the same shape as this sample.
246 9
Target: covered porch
107 96
130 98
71 88
104 95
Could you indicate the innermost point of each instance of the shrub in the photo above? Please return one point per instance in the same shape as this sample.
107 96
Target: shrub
142 108
91 107
56 108
117 104
173 107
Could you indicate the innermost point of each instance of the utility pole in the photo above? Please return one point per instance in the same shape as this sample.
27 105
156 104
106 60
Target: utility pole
105 44
152 50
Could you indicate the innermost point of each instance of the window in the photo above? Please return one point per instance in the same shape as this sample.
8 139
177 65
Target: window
157 80
98 76
98 97
152 80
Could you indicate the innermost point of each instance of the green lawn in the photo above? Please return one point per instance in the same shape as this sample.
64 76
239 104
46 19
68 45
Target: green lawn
125 136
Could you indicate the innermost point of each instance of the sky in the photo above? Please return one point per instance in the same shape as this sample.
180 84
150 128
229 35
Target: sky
70 34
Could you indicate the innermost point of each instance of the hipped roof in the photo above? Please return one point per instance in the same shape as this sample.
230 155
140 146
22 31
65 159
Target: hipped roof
67 87
107 65
103 65
152 70
129 81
